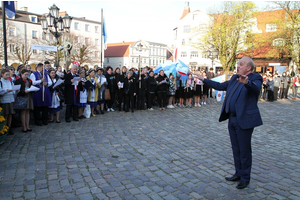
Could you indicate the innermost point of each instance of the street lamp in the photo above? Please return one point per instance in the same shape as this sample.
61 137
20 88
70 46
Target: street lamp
139 49
212 54
56 24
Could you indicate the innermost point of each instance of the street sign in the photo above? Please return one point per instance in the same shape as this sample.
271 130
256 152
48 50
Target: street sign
43 47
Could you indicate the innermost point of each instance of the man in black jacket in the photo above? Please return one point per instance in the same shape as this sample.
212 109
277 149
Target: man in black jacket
70 94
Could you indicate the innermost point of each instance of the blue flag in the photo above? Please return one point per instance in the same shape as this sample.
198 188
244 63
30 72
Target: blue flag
10 9
104 33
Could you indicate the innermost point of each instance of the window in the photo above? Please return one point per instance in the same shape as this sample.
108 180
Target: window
183 42
34 34
76 25
50 37
144 60
107 60
11 48
278 42
97 54
87 40
34 51
137 60
43 36
183 54
33 19
132 60
97 42
96 29
271 27
11 31
194 54
187 29
150 61
87 27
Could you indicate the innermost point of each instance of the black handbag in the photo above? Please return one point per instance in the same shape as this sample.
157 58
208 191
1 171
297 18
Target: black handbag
21 103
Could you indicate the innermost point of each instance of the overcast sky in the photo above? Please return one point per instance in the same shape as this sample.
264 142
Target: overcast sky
128 20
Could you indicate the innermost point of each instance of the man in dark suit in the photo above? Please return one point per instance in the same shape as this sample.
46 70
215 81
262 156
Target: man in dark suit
70 94
240 107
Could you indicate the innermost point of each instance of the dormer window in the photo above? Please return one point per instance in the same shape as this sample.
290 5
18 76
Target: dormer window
33 18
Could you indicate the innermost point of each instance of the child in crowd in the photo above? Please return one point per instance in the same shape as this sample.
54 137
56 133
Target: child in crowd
189 88
7 98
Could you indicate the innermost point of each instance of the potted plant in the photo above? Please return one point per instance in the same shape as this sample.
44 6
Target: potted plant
3 128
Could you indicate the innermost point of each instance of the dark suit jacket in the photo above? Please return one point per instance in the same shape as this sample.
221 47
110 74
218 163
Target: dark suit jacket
247 112
69 89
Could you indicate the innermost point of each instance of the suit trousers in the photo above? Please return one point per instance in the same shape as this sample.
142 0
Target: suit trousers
74 109
241 148
37 114
141 99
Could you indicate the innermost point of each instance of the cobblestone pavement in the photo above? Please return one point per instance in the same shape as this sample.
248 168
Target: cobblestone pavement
181 153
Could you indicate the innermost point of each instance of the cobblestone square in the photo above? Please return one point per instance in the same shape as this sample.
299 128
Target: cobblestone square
181 153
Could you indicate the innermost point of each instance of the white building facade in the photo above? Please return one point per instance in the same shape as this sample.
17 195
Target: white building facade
126 54
26 29
188 44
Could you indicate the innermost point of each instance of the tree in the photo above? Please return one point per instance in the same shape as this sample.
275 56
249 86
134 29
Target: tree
290 29
227 31
21 54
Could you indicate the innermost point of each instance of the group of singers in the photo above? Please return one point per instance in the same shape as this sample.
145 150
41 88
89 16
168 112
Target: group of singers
77 88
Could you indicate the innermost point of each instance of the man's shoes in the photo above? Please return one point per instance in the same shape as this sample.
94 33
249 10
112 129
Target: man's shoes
68 120
75 119
102 112
45 122
97 112
242 184
232 178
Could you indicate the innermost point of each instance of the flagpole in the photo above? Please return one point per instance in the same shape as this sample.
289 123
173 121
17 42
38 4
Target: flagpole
4 33
101 61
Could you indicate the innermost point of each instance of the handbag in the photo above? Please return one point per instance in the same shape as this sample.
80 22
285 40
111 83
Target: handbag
87 111
107 94
21 103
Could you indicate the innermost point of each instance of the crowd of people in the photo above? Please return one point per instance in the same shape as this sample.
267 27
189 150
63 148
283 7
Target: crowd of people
101 90
104 90
277 86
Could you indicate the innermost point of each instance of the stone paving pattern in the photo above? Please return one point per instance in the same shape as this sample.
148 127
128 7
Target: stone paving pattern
181 153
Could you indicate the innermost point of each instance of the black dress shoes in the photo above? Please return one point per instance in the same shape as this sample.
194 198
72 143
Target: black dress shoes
68 120
242 184
233 178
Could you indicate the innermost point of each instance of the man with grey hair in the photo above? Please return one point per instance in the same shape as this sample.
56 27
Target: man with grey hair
240 107
70 96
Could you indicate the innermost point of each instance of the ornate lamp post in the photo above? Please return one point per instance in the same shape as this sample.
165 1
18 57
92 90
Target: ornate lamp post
212 53
55 24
